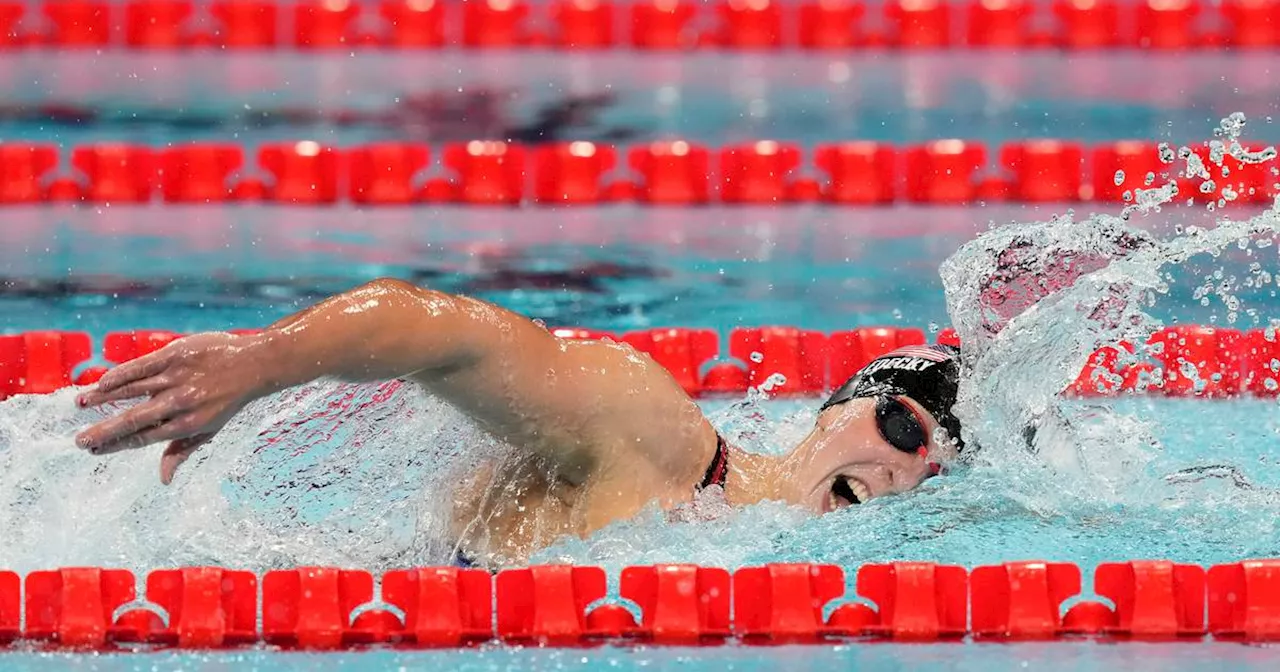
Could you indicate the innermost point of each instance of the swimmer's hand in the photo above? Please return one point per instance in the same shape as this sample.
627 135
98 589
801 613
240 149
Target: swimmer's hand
195 386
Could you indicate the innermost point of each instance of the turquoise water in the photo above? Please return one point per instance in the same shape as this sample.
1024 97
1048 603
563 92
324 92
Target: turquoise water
975 658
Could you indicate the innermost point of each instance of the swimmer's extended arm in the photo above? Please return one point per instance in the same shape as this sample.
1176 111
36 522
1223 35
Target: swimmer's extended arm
574 402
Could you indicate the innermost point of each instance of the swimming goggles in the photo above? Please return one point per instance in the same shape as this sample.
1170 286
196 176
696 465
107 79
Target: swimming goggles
901 426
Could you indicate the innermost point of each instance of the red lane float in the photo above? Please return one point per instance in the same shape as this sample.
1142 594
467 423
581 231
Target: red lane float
795 359
916 600
10 606
547 604
830 24
74 607
671 172
680 604
760 173
443 606
1244 600
572 173
1184 361
1021 600
682 352
1171 25
245 24
784 602
23 169
157 24
208 607
944 172
40 362
385 174
1154 600
310 607
413 24
211 607
859 173
199 173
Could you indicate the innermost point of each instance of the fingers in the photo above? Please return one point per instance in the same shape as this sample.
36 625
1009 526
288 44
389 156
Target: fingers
177 453
140 388
134 370
119 431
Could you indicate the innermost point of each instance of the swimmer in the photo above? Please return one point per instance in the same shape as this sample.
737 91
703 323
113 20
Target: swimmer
607 430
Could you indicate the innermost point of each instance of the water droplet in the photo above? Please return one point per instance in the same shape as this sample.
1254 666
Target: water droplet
757 357
1119 178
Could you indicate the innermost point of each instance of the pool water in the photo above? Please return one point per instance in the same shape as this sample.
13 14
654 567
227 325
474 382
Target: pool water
1204 491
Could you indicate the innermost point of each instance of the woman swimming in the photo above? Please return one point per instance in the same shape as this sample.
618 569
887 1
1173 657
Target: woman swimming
607 431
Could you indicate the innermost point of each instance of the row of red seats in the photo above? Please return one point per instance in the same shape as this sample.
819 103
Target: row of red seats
1226 362
329 608
653 24
674 172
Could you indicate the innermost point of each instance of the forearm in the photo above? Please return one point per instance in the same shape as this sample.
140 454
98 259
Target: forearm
383 329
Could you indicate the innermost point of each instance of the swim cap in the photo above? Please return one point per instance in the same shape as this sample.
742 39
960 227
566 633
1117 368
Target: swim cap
929 374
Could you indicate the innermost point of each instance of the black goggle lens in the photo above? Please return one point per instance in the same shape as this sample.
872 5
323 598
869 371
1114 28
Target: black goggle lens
899 425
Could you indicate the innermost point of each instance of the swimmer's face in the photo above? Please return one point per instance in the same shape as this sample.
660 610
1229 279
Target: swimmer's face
845 461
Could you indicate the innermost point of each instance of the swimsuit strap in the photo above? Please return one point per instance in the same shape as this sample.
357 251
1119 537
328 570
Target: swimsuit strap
719 467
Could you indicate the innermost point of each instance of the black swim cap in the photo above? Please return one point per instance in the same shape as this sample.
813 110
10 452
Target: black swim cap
929 374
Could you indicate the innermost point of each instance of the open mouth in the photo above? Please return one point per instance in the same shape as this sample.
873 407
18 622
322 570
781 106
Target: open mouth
847 491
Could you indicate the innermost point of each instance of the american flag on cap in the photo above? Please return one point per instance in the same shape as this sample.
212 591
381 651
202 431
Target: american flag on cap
933 353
